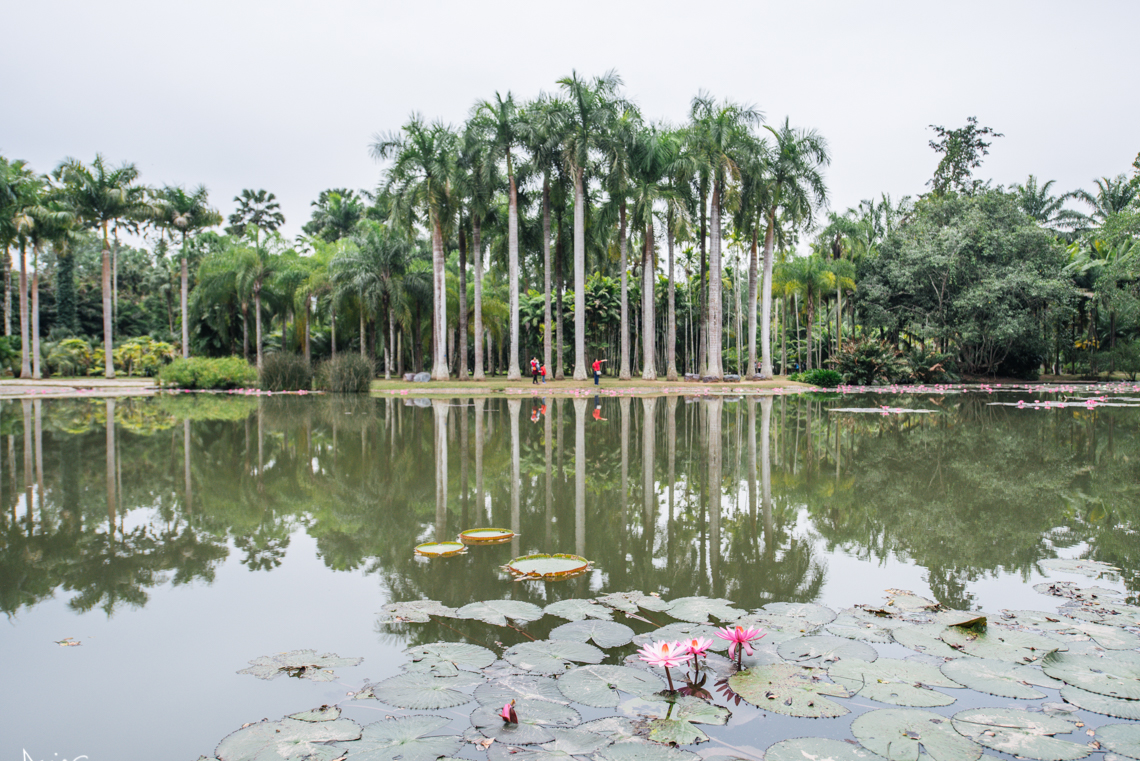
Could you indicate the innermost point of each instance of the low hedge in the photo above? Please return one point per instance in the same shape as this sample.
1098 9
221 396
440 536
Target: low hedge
205 373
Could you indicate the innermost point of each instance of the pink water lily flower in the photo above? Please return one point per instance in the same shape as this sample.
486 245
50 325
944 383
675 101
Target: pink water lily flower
667 655
742 637
698 646
508 713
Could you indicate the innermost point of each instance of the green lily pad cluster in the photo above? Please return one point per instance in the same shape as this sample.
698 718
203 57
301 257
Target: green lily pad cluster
813 663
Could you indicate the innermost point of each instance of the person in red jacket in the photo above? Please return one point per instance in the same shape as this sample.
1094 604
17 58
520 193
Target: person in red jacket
598 370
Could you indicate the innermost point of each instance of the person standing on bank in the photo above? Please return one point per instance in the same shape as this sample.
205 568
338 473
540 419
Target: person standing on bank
534 371
598 370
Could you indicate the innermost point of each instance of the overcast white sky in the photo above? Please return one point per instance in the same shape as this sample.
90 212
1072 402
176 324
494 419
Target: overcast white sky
286 95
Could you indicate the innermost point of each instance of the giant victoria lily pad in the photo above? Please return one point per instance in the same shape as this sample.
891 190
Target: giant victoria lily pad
548 567
303 664
598 686
440 549
898 733
888 680
1020 733
1001 678
790 689
486 535
604 634
1116 675
287 739
551 656
403 738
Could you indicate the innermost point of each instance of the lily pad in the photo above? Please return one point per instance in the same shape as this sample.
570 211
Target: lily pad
486 535
790 690
578 610
1117 675
855 627
1091 701
1035 619
598 686
888 680
925 638
1109 637
498 611
418 611
548 566
1019 733
698 609
678 632
1091 568
897 733
302 664
440 549
566 743
551 656
822 650
631 601
287 739
423 691
818 749
643 750
674 721
816 615
1001 678
501 690
605 634
403 738
616 728
324 713
446 658
907 601
1120 738
536 717
1001 644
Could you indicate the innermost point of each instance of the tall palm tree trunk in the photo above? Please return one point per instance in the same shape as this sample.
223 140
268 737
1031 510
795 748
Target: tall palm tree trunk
439 297
714 314
308 332
332 327
461 352
671 325
513 266
7 292
108 326
752 286
391 343
477 255
185 309
766 304
624 373
363 348
36 316
648 320
547 323
25 334
560 373
257 322
579 278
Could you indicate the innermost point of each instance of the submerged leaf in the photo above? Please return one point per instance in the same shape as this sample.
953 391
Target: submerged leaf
551 656
818 749
888 680
598 686
497 612
1001 678
897 733
789 689
577 610
303 664
605 634
403 738
287 739
1019 733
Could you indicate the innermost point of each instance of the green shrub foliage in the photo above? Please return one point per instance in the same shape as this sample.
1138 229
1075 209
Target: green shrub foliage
282 371
818 377
865 362
346 374
931 366
205 373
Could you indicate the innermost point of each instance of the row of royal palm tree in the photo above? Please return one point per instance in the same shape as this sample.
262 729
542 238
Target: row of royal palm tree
186 213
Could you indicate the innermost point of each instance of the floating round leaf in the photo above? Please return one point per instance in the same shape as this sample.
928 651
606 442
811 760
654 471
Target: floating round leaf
440 549
419 611
888 680
403 739
551 656
699 609
1116 675
1001 678
824 650
535 719
503 689
598 686
486 535
925 639
605 634
324 713
855 627
287 738
789 689
1090 568
1019 733
302 664
566 743
673 721
446 658
818 748
642 750
548 566
897 733
422 691
1121 738
810 612
578 610
497 612
1000 644
1091 701
631 601
683 631
616 728
1109 637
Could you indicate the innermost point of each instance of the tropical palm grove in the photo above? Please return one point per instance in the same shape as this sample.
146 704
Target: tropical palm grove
539 228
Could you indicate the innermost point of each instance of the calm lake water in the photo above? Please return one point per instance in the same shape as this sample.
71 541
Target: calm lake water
177 538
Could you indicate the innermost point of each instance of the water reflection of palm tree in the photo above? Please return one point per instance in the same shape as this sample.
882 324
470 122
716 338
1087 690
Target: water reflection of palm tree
440 409
580 477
